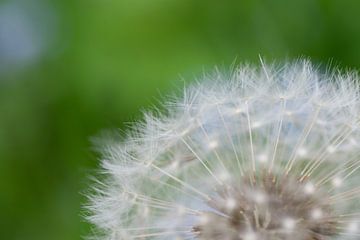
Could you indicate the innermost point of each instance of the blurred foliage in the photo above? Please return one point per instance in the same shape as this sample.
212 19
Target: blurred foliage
104 61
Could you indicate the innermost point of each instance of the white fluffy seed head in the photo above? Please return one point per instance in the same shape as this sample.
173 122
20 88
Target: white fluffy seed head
260 153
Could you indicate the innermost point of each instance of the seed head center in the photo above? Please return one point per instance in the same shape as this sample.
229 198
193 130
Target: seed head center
268 208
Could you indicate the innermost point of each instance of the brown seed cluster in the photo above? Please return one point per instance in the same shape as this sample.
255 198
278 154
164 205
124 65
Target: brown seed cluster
268 208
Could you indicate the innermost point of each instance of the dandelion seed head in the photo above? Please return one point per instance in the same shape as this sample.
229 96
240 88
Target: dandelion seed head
262 153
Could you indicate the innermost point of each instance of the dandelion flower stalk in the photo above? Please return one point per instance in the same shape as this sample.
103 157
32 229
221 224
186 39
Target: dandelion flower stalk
262 153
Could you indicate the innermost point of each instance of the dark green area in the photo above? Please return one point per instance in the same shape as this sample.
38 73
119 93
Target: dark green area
112 58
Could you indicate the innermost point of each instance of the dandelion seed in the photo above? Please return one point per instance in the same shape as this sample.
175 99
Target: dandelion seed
289 224
238 110
309 188
337 181
316 213
263 158
213 144
230 203
353 227
302 152
263 154
249 236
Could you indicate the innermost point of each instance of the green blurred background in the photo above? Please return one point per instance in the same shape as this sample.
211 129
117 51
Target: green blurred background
72 68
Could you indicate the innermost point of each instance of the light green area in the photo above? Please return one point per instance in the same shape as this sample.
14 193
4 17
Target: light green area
112 58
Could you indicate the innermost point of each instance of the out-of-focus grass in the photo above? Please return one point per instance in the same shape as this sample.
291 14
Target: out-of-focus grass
104 61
